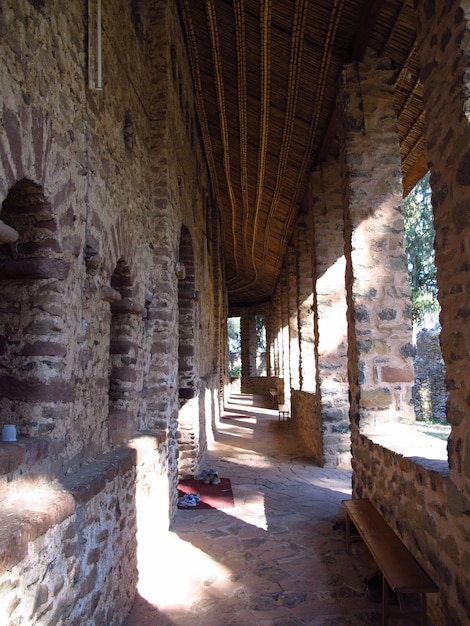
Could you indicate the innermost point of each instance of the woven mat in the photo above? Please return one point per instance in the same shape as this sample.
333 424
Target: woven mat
212 496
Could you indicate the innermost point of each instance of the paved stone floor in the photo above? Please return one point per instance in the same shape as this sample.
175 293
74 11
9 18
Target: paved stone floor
277 558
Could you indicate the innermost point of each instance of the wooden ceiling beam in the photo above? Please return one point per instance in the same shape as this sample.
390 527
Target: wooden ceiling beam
369 16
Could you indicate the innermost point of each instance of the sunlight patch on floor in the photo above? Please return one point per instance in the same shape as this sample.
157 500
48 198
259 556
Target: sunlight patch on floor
184 570
249 509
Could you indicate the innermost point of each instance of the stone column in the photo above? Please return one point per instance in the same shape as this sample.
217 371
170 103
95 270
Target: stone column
330 298
304 269
285 371
380 360
275 325
294 352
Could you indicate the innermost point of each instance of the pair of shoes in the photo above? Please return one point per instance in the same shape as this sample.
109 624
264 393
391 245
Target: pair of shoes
189 500
201 475
212 478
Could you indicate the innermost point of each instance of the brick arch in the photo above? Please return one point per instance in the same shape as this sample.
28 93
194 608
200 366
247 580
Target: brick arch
32 314
188 409
124 353
186 299
26 147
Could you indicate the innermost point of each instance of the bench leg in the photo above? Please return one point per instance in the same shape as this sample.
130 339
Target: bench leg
424 611
384 601
348 533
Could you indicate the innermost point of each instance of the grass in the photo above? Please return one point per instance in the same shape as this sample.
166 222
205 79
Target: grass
440 431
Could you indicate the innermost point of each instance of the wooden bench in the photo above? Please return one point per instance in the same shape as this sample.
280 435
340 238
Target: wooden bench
400 570
284 414
274 397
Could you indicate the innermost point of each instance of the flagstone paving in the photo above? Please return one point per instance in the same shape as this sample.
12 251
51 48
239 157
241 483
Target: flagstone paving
277 558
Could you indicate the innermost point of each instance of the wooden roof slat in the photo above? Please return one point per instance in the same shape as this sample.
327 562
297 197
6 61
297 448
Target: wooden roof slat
266 87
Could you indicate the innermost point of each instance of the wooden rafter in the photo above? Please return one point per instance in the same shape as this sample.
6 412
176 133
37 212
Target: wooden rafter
265 76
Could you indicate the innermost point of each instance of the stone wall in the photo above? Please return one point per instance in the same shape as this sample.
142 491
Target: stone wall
307 420
69 553
425 501
429 507
107 191
430 393
427 511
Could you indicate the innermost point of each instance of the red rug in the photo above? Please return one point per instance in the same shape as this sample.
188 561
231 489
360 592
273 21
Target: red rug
212 496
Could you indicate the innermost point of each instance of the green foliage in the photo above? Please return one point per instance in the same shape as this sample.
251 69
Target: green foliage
233 331
234 347
419 238
260 330
235 372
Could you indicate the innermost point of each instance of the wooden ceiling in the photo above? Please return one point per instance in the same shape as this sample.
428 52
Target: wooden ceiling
265 75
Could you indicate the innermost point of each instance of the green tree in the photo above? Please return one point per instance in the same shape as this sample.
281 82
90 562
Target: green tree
260 330
419 238
234 347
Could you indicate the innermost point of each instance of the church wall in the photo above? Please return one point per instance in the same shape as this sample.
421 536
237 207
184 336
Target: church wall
99 184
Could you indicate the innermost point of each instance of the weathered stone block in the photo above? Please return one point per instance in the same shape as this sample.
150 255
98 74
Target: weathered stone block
396 374
376 399
36 390
44 348
34 269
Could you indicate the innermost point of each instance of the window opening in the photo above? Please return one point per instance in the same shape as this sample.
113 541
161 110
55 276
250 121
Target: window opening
430 394
260 337
419 239
234 347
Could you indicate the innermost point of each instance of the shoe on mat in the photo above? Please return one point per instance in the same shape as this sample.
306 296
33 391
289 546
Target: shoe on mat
201 475
215 480
207 477
189 500
212 478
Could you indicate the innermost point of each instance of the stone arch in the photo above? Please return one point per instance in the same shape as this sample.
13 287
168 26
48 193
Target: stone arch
186 299
188 409
32 312
124 352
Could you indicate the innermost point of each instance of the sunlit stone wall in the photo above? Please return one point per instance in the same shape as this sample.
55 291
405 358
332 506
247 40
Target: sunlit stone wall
378 296
330 296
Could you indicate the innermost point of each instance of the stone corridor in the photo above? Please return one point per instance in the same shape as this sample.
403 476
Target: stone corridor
276 558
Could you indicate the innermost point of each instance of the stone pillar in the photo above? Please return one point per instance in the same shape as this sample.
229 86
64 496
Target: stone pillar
285 372
294 352
444 37
304 270
330 298
276 348
379 312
